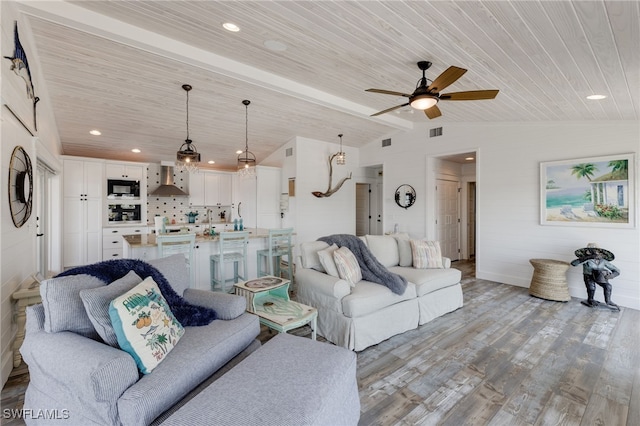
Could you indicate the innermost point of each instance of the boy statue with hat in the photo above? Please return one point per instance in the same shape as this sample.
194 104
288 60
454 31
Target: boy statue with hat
596 269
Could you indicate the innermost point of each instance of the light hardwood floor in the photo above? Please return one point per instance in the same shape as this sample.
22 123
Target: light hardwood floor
505 358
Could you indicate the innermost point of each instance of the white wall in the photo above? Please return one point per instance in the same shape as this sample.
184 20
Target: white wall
17 247
310 216
508 197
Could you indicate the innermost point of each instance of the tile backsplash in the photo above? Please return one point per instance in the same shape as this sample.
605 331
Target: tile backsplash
176 208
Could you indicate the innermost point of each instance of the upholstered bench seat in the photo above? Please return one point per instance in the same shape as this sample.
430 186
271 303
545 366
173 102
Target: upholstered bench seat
288 381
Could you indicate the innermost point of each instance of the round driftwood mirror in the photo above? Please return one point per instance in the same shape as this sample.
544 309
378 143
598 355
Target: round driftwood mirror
405 196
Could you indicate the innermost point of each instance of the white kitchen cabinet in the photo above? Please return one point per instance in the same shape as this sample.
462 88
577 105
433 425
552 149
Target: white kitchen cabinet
125 171
112 243
210 189
83 183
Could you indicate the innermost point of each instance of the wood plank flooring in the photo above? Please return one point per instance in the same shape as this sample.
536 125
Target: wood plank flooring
505 358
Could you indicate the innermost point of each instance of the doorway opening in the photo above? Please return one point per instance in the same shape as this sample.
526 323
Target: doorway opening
456 207
42 192
369 202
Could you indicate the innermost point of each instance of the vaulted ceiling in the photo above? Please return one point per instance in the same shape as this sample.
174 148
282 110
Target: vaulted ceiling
118 66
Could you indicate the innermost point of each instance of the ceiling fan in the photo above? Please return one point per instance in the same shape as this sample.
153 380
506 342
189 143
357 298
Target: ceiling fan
425 97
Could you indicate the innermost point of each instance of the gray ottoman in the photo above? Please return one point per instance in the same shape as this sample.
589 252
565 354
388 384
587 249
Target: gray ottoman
289 381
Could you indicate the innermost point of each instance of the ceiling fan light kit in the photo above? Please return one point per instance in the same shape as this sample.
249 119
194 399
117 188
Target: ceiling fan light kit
187 157
425 97
246 158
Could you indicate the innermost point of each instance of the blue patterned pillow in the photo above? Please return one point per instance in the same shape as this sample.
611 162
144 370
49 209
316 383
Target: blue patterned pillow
144 325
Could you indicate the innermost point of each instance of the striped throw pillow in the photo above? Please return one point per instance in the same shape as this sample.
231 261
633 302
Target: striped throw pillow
426 254
347 264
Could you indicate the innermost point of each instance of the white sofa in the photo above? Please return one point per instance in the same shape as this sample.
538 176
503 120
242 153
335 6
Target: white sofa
368 313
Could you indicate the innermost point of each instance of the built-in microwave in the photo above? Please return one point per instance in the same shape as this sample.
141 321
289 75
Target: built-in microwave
123 188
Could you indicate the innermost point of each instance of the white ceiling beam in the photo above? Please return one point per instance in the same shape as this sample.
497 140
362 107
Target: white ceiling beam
76 17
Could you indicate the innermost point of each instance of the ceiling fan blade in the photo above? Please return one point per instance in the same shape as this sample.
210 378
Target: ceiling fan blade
471 95
387 92
433 112
449 76
389 109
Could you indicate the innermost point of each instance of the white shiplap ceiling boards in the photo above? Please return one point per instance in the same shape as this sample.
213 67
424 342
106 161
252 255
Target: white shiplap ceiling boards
118 66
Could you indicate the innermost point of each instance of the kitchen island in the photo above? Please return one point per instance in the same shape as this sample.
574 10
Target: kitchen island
145 247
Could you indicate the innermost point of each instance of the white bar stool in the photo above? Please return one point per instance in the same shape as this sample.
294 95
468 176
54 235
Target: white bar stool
233 248
279 245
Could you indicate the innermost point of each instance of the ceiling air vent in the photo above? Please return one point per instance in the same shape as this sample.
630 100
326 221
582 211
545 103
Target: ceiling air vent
288 152
437 131
386 142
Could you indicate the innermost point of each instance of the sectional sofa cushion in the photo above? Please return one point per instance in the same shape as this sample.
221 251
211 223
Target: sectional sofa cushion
96 302
435 279
63 307
309 255
384 248
367 297
144 324
172 267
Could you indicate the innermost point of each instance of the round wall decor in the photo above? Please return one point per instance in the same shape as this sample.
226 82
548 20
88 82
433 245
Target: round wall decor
20 186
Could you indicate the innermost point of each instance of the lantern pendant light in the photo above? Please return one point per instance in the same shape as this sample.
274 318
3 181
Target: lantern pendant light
187 157
341 157
246 159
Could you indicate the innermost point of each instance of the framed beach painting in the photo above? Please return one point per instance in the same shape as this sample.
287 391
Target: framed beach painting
597 191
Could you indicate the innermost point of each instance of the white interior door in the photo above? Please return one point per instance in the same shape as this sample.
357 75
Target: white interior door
448 221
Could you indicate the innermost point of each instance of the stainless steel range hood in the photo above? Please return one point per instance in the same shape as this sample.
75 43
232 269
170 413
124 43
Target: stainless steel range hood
167 186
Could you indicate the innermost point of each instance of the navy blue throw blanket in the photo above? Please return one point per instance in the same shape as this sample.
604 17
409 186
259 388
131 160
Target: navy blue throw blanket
372 269
110 270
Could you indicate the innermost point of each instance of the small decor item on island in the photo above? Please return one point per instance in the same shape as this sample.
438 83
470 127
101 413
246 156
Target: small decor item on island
597 269
240 225
235 224
192 216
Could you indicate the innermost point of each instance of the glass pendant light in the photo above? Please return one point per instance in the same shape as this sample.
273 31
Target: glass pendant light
246 159
341 157
187 157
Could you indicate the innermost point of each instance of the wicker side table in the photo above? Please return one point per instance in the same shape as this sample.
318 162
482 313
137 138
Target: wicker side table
549 280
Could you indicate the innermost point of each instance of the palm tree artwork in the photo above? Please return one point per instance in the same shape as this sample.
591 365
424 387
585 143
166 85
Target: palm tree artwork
584 170
587 191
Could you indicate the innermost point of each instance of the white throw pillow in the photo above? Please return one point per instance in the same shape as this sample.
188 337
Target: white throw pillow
144 325
404 249
348 267
309 254
426 254
327 261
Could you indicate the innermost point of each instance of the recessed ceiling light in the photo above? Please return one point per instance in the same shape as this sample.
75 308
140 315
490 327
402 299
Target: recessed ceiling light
469 158
95 132
275 45
239 151
211 162
136 150
231 27
596 97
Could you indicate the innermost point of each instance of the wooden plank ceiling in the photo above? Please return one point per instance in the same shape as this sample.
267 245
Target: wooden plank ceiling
118 66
